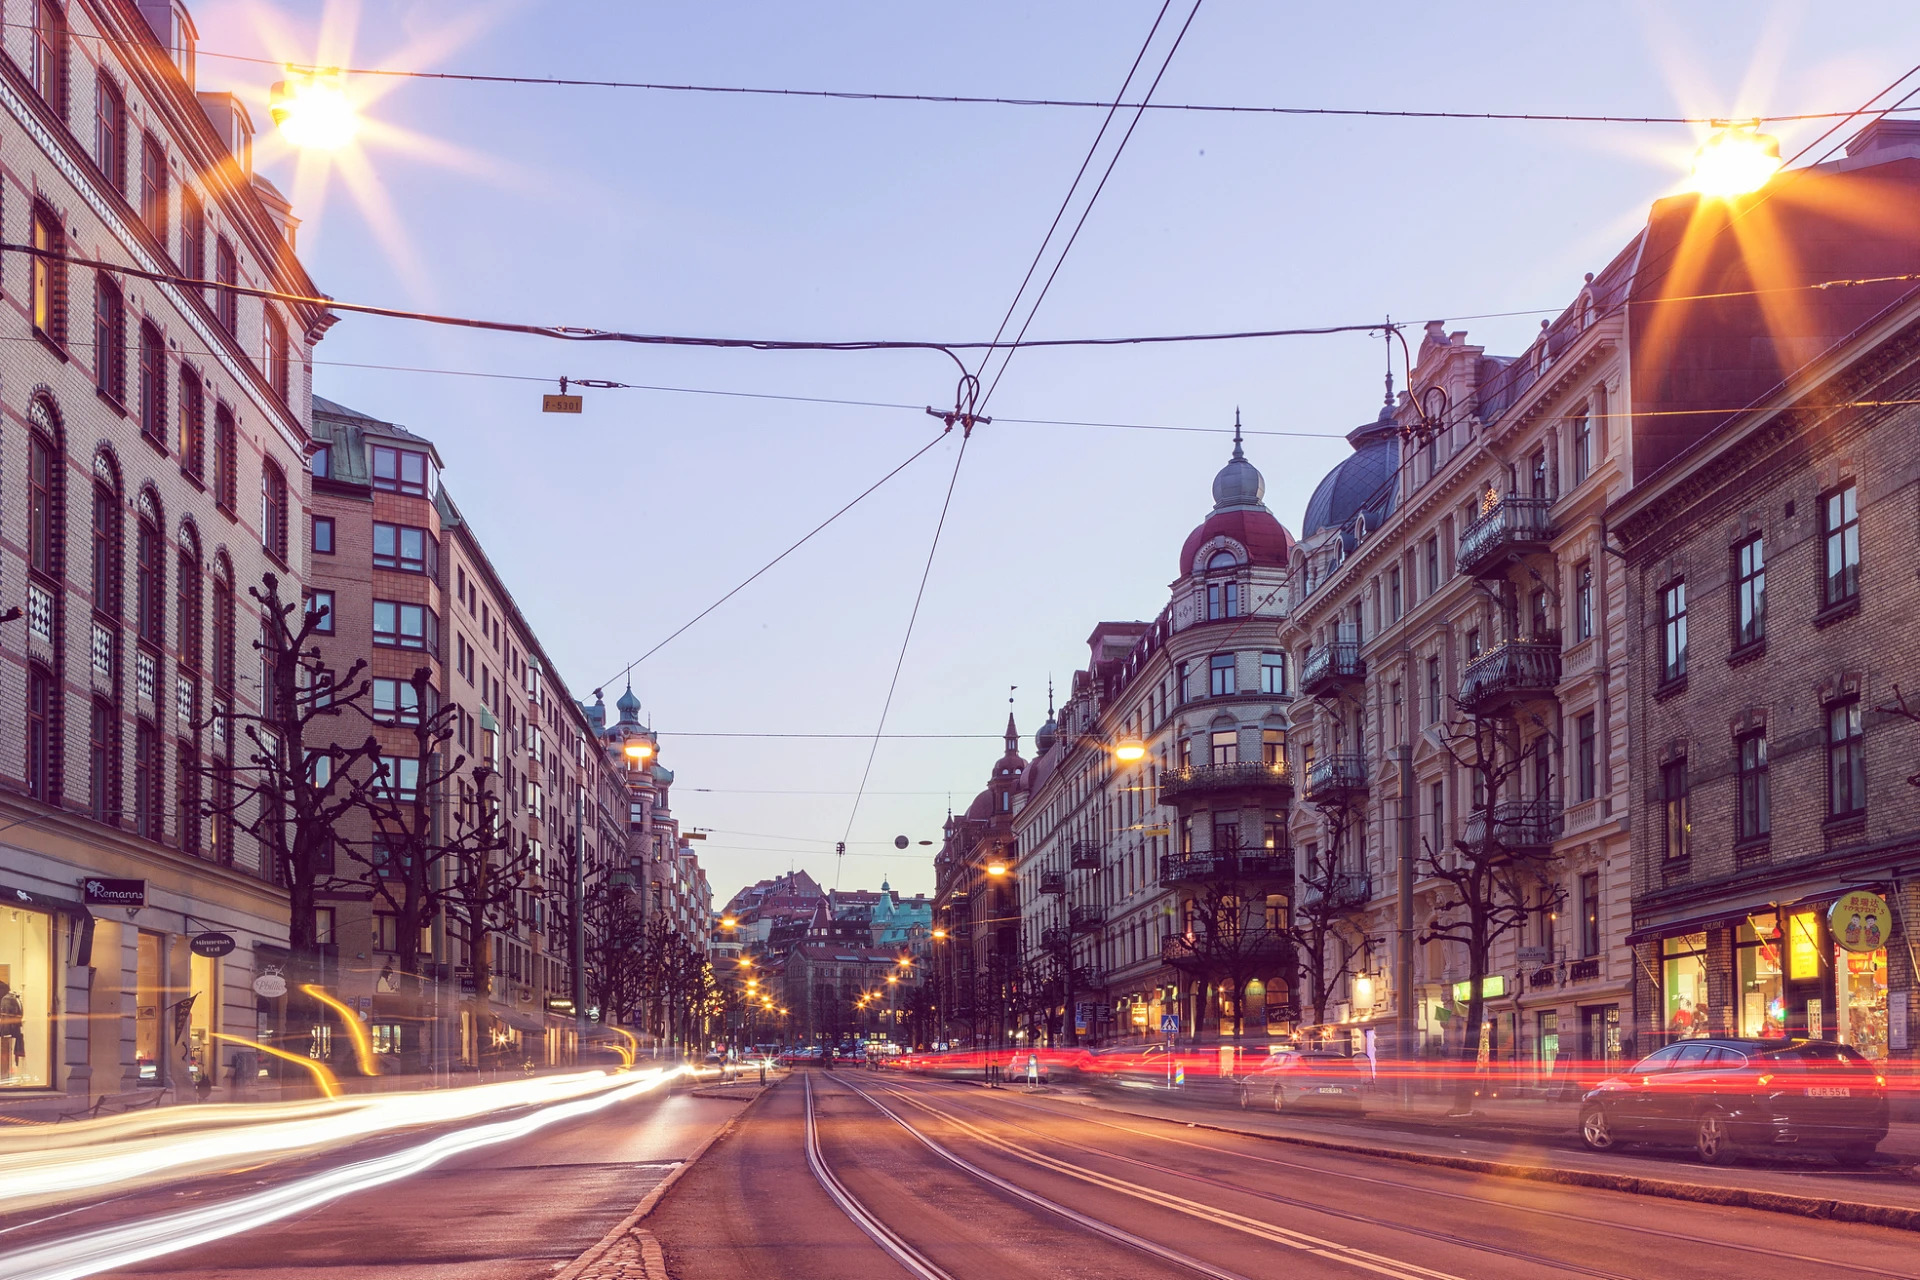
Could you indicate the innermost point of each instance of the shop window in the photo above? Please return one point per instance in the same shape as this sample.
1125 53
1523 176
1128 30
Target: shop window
26 998
1684 986
1762 996
203 1021
149 1048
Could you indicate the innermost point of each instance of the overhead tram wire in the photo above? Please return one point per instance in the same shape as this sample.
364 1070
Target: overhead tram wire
954 99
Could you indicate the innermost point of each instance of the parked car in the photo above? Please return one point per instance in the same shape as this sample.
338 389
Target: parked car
1727 1095
1305 1080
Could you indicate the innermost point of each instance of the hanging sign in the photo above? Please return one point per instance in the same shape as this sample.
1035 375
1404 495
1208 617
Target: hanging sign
212 945
114 893
1859 921
560 404
270 986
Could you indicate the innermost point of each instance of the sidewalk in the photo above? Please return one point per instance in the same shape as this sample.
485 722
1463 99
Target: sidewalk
1537 1140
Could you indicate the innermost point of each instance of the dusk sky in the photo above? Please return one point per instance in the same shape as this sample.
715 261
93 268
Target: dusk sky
821 219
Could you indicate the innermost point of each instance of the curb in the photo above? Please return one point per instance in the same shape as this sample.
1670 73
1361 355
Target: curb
643 1249
1880 1215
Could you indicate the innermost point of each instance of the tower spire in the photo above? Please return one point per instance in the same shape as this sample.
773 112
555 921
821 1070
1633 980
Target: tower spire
1237 452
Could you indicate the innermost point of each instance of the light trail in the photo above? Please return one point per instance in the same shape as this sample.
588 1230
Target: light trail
125 1245
49 1170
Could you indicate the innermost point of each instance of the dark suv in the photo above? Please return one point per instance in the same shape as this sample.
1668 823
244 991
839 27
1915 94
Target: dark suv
1730 1095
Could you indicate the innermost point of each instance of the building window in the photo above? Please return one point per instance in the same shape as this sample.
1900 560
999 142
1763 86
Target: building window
1433 564
279 361
273 511
42 524
1220 667
1755 801
226 459
405 548
399 777
226 271
323 535
186 605
320 603
400 471
187 795
153 384
386 933
1673 631
109 339
1538 620
1273 673
405 626
193 236
1226 746
1433 690
1673 794
1589 915
1846 760
1186 753
100 763
1393 594
192 435
1223 597
1226 835
149 575
1841 526
320 465
223 634
1473 643
1586 756
110 132
1273 746
147 819
1583 601
1582 448
40 712
1750 592
395 701
1437 818
50 55
1183 675
153 186
49 308
106 551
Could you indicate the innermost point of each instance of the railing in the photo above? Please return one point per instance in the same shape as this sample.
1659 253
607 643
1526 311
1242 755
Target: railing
1583 970
1512 524
1178 868
1053 882
1329 666
1054 938
1511 671
1088 978
1086 855
1332 777
1340 891
1518 826
1085 919
1178 950
1203 779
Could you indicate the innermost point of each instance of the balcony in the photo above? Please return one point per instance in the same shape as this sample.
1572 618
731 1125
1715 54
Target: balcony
1088 978
1512 672
1085 855
1336 779
1512 528
1054 938
1086 919
1520 829
1341 891
1331 668
1204 868
1198 955
1271 784
1053 882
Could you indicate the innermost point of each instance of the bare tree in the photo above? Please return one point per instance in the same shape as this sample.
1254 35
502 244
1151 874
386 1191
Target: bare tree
1230 934
1328 892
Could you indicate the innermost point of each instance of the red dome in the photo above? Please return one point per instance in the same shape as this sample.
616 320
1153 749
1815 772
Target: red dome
1256 530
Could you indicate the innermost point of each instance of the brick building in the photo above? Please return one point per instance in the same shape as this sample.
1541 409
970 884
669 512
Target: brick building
152 442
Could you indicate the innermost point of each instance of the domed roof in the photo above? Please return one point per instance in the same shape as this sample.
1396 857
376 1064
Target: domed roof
629 707
1238 514
1362 483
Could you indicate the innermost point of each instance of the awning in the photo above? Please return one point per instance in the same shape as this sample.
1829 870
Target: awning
83 918
528 1021
1826 887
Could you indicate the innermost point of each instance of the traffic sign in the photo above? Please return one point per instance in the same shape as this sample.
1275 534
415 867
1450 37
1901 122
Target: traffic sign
1170 1024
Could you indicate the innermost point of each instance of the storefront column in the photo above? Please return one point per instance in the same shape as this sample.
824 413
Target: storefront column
1720 982
76 1012
111 1030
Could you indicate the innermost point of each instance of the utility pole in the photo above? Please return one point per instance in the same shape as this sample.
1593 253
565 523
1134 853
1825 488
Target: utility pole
577 893
1403 959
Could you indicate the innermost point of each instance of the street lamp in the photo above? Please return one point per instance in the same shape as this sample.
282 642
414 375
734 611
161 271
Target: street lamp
1735 160
1129 751
311 110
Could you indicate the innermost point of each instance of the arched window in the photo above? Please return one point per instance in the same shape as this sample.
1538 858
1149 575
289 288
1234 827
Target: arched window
109 339
273 510
40 734
187 603
191 438
153 384
223 624
44 476
150 579
50 55
1223 594
226 460
103 760
148 769
106 550
49 309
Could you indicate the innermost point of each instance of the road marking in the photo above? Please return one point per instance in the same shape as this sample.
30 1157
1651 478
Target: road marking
1331 1250
881 1234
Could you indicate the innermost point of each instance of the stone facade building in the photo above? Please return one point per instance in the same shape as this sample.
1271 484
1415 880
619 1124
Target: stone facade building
152 443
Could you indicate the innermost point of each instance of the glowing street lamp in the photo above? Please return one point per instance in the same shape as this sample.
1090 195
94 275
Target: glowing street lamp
940 934
639 751
311 110
1737 159
1129 750
997 867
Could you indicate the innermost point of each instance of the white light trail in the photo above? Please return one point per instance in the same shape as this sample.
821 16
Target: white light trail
135 1242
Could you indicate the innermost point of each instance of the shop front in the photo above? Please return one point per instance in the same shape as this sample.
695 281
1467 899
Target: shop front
1817 967
43 940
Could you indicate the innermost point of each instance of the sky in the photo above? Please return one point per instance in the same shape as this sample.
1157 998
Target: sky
767 217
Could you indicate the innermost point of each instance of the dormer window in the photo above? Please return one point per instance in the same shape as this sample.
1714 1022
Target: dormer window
1223 597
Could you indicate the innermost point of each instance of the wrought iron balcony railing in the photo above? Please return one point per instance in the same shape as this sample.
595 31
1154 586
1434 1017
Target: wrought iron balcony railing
1330 667
1239 864
1513 671
1053 882
1522 828
1273 779
1331 779
1512 526
1340 891
1086 855
1087 918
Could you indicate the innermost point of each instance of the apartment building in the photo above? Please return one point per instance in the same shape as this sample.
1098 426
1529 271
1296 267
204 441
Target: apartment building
152 442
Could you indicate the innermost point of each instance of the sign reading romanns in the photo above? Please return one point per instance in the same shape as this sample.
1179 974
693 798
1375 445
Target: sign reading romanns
101 892
1859 921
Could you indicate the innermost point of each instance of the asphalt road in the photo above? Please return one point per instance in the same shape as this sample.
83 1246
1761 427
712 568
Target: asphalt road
514 1211
1054 1189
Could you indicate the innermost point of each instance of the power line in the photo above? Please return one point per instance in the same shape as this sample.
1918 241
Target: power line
858 737
957 99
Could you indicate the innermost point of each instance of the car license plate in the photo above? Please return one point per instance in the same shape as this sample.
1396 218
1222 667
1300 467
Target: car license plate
1829 1091
1325 1088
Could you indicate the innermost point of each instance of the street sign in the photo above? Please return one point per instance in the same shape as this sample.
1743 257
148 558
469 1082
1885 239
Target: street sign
270 986
114 893
1156 831
560 404
1170 1024
212 945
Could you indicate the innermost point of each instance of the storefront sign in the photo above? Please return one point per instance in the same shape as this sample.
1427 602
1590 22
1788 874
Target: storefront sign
1897 1015
213 945
1803 946
1860 921
270 986
114 893
1491 986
